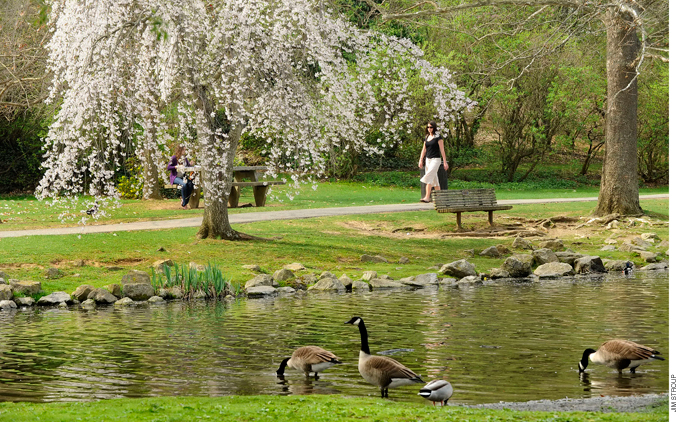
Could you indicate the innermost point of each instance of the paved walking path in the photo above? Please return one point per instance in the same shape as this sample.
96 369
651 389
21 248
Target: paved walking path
274 215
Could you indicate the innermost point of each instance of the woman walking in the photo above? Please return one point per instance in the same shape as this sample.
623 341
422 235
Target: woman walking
433 154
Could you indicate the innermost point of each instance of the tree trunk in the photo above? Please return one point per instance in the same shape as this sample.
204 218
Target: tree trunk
152 189
619 186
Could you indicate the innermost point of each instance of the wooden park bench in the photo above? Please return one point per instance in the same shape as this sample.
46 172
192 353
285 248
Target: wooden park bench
467 200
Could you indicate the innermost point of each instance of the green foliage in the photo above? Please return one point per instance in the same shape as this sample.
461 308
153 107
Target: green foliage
653 125
20 152
131 185
190 280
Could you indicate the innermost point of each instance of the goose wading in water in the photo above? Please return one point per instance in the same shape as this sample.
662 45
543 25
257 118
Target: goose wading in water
620 355
309 359
437 391
382 371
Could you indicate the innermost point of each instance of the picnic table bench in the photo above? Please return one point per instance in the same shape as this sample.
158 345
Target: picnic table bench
241 174
467 200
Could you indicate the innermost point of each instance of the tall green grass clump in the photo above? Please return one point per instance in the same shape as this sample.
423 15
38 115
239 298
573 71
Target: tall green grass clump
193 282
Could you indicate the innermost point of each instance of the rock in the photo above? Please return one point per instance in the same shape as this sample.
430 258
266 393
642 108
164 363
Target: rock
7 305
156 299
24 301
650 237
553 244
88 304
369 275
458 269
2 281
82 292
469 280
429 278
381 283
346 281
516 267
326 284
554 270
649 256
447 281
285 290
589 264
102 295
611 241
616 265
308 279
161 263
568 256
544 256
360 286
641 243
199 295
126 301
260 280
161 249
138 291
386 277
26 287
62 305
404 260
373 258
328 274
295 266
608 248
253 268
196 266
55 299
496 273
78 263
53 274
283 275
115 289
413 282
135 276
521 243
502 249
261 291
659 266
490 252
469 253
4 275
615 224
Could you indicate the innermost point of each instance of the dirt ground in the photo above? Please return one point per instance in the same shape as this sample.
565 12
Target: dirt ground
593 404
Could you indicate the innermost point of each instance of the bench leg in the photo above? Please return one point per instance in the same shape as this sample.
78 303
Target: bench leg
195 198
458 220
234 196
260 193
491 218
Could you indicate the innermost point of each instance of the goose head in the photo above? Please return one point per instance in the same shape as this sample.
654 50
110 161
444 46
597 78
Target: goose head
583 364
282 367
355 321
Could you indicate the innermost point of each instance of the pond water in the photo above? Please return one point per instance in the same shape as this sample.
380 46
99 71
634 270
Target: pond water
500 341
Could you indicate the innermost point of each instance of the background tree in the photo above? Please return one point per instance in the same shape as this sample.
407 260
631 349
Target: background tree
287 71
635 31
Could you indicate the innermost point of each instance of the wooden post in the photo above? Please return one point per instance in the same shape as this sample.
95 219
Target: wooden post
195 197
458 220
260 193
491 218
234 196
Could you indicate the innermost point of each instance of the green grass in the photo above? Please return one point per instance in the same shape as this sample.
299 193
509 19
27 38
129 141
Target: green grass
334 244
288 408
21 213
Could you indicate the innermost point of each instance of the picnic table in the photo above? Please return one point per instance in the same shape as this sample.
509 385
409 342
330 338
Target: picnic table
243 176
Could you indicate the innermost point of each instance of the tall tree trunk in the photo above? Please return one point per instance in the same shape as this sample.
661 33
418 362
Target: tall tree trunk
217 181
152 189
619 187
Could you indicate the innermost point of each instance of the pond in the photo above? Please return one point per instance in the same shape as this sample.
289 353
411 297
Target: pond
501 341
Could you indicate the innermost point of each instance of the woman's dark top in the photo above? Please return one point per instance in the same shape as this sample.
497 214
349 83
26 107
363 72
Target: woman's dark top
172 166
432 148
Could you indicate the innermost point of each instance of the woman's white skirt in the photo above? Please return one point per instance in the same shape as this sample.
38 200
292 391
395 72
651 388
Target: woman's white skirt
431 169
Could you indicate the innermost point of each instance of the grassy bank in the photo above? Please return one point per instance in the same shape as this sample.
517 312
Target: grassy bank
334 244
289 408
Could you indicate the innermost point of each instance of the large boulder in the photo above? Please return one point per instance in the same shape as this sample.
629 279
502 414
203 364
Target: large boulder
260 280
376 259
360 286
7 305
82 292
554 270
135 276
517 266
261 291
588 265
26 287
568 256
115 289
5 292
161 263
616 265
295 266
328 283
640 242
659 266
382 283
53 273
649 256
126 301
55 299
469 281
102 295
346 281
458 269
496 273
369 275
24 301
544 255
628 247
138 291
522 243
552 244
490 252
283 275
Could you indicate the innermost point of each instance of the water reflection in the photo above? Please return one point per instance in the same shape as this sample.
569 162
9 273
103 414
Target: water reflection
493 342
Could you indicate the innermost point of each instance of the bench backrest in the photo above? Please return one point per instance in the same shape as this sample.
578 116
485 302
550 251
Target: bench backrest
464 198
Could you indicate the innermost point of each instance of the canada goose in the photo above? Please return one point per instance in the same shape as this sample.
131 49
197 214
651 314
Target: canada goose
380 370
619 354
309 359
437 391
